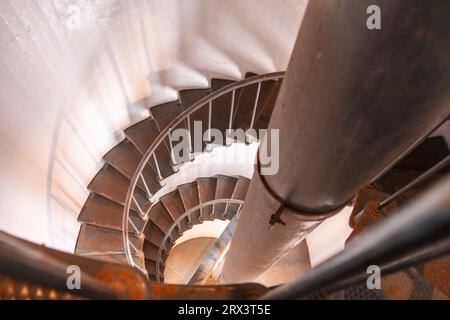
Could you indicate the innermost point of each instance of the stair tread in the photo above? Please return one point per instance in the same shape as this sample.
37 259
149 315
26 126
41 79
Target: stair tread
150 266
151 255
263 118
246 102
100 211
174 205
150 251
159 216
239 193
125 158
98 239
241 188
221 107
206 192
154 234
163 115
189 197
111 184
142 135
224 190
188 98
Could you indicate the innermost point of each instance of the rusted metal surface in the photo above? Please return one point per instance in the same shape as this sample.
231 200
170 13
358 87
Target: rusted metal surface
427 175
437 272
31 271
220 292
366 217
429 280
368 193
366 206
13 289
40 266
409 284
416 233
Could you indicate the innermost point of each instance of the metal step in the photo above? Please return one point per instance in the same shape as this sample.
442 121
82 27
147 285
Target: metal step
150 266
163 115
150 251
188 98
125 158
221 107
99 240
206 192
151 256
240 190
154 234
263 117
246 103
189 197
142 135
100 211
111 184
224 190
158 216
174 205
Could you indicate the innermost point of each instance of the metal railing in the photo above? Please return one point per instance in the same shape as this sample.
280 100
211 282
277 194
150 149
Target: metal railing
176 223
150 154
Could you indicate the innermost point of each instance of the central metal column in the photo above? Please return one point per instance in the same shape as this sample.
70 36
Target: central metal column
353 100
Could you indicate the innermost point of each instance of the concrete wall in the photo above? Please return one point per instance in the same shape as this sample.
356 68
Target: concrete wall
74 73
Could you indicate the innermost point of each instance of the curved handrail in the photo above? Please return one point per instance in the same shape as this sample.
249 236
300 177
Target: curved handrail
184 215
162 136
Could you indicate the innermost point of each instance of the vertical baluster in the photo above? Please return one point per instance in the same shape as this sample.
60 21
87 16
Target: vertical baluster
157 167
147 190
170 238
209 120
190 223
248 136
172 155
158 275
142 214
164 245
226 209
230 123
190 138
255 106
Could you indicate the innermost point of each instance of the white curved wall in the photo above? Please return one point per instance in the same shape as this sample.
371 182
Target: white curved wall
67 93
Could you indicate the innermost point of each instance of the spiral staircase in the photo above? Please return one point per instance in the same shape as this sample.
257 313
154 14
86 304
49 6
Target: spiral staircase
157 222
353 134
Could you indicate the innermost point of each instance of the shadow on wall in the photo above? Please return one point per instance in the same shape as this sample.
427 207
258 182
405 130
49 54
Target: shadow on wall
233 37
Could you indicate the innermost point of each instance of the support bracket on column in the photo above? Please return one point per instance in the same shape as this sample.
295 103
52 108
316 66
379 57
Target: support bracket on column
276 217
